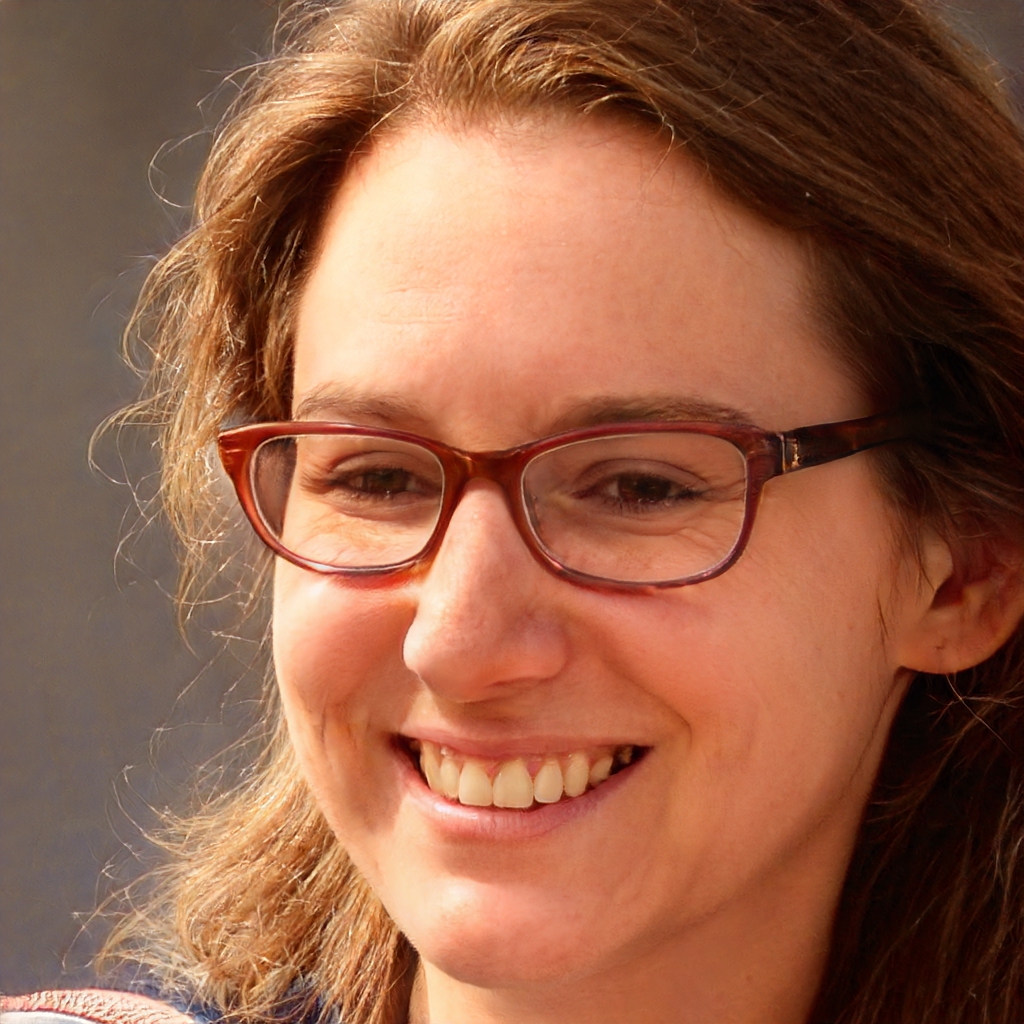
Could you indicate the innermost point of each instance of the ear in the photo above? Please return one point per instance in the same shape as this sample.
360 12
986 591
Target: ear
969 602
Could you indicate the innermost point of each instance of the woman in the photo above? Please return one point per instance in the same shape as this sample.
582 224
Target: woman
507 316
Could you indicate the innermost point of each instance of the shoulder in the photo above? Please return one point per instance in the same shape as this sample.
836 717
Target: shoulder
88 1006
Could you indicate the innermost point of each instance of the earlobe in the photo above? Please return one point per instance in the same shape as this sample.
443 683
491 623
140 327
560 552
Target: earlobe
970 601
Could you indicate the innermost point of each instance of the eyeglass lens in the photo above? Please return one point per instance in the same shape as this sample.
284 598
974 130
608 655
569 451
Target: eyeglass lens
632 508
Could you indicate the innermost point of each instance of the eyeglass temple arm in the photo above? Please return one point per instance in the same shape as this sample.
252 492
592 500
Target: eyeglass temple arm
813 446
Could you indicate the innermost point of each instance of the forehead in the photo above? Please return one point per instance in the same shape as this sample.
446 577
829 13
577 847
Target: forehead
491 278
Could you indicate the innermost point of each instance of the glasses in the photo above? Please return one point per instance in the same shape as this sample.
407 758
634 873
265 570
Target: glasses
624 505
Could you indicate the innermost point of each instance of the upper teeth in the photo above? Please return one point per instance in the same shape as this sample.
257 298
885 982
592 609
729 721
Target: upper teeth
520 781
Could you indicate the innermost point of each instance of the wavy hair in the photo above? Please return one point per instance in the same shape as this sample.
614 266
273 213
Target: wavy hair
863 125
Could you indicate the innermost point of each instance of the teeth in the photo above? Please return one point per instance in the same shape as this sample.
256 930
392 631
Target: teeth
474 786
599 772
577 774
448 778
547 787
513 786
509 784
430 762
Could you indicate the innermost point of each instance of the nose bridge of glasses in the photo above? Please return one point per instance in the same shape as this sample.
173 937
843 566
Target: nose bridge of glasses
501 468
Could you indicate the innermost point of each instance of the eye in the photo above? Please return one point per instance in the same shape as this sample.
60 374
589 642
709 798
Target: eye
382 482
362 480
376 484
640 490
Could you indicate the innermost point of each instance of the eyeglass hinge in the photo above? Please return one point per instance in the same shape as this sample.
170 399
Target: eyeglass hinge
791 454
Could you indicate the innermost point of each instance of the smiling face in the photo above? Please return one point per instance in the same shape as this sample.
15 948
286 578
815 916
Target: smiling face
488 287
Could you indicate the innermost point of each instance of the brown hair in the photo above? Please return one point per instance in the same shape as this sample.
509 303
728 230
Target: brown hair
860 123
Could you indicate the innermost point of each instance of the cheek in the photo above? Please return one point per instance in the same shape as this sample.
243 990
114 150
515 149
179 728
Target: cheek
336 661
780 668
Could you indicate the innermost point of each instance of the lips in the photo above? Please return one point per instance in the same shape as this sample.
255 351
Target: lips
520 783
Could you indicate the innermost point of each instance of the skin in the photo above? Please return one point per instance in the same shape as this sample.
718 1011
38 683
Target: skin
487 286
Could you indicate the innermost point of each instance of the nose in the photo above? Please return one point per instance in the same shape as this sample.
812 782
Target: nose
485 622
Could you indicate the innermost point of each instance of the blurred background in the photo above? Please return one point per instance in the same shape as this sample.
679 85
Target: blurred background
105 112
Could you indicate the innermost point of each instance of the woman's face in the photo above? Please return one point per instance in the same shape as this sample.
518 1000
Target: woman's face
490 286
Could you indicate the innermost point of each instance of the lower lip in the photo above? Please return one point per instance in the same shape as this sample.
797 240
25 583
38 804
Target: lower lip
499 824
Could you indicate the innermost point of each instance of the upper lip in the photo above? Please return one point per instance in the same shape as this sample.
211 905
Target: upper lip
517 746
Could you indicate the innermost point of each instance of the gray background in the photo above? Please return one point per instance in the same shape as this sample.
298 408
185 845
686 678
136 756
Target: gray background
91 666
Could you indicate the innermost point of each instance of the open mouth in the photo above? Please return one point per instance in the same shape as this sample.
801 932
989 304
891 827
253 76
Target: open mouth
521 783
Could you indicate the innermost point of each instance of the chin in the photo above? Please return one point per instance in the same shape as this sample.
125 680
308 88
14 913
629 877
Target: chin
503 939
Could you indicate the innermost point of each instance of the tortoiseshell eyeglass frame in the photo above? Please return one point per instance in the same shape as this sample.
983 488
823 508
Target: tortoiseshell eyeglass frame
767 454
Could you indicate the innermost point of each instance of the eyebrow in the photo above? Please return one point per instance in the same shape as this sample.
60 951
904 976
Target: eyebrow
653 408
340 402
